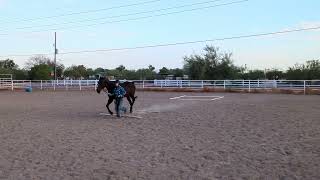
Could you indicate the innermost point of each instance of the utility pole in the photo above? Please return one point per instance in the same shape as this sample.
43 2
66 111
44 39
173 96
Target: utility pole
55 55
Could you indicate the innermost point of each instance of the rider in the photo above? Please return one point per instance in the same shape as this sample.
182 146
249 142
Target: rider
119 93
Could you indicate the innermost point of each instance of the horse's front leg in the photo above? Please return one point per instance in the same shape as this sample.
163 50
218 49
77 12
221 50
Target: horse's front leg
109 102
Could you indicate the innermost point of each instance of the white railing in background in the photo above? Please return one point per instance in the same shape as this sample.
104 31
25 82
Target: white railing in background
6 81
223 84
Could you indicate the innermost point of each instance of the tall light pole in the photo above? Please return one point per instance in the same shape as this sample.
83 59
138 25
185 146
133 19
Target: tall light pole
55 55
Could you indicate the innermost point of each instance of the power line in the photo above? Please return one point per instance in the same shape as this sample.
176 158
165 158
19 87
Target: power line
122 15
181 43
138 18
85 12
194 42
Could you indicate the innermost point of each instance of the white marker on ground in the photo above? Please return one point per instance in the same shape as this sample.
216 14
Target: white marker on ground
127 116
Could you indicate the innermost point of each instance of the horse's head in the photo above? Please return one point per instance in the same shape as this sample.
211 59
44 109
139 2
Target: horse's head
102 83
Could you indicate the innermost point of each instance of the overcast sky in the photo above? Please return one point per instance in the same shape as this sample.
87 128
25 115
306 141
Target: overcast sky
251 17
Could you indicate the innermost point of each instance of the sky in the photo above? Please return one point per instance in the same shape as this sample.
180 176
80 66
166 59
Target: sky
23 31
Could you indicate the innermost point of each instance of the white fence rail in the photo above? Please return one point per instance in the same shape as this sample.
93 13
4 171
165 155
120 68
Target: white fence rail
6 81
248 85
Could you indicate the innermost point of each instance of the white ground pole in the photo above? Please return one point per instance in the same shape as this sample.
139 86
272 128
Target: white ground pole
178 97
127 116
197 98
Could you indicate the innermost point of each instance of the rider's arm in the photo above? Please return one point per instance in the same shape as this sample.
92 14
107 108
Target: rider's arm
123 91
111 93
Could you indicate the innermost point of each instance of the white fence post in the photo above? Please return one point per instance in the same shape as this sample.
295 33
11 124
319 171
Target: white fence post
202 85
80 85
12 85
41 84
54 85
249 86
224 84
95 84
142 84
304 87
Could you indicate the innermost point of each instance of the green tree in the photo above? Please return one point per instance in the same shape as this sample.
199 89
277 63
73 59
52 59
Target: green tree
164 71
8 64
5 71
147 73
121 68
20 74
39 60
308 71
40 72
151 68
177 72
274 74
253 75
90 72
296 72
76 72
211 65
99 71
313 69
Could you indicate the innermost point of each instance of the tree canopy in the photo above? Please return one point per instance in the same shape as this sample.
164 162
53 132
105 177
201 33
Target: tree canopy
212 64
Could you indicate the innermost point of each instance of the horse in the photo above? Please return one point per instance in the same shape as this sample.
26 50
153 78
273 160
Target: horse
129 87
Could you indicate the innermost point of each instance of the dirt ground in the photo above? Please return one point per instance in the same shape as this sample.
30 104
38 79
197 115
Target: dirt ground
60 135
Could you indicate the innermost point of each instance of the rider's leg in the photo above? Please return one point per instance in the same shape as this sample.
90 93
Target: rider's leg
117 107
122 108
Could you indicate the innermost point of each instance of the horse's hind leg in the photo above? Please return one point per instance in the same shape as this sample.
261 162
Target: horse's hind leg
133 99
109 102
130 102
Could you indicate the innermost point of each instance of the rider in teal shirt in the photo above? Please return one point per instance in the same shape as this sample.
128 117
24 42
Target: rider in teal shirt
119 93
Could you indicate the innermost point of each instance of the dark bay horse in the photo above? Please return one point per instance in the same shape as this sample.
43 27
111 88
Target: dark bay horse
110 86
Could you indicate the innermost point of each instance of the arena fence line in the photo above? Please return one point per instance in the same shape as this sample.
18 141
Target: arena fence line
6 81
247 85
